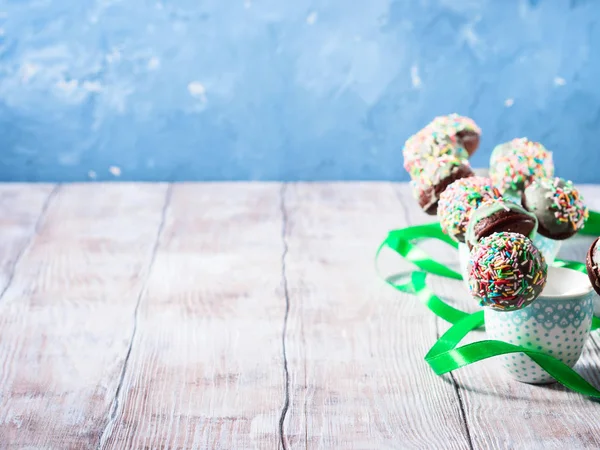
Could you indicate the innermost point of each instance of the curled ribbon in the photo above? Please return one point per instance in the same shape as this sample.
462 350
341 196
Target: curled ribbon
445 355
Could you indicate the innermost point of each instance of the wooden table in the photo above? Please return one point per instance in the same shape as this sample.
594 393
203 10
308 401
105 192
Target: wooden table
242 315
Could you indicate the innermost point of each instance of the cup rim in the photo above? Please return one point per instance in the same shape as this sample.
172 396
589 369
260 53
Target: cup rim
586 286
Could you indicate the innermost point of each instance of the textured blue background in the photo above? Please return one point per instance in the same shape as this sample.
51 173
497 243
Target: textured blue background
292 90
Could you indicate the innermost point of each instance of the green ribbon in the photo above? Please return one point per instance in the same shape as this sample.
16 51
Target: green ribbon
400 242
416 284
592 225
445 356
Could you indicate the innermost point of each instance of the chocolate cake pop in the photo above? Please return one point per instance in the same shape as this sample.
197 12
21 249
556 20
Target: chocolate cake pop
558 206
592 263
506 271
494 216
458 202
425 146
515 164
461 130
435 177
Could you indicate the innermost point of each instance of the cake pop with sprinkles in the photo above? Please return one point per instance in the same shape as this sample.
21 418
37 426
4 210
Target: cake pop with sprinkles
515 164
435 177
458 202
461 130
426 146
592 263
501 150
558 206
506 271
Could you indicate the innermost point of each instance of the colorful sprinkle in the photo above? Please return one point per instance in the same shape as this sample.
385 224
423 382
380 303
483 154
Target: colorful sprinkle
433 171
564 201
458 202
515 164
452 124
438 139
424 147
506 271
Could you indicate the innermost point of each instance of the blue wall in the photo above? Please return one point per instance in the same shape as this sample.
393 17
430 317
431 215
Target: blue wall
282 89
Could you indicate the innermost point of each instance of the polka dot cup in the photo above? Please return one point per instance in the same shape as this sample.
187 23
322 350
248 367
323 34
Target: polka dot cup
557 323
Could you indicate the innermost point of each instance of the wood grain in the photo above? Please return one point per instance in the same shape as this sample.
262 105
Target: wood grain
355 346
65 318
22 208
206 367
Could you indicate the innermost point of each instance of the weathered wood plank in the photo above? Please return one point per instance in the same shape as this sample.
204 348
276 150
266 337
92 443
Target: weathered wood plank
502 413
355 346
206 363
22 206
65 319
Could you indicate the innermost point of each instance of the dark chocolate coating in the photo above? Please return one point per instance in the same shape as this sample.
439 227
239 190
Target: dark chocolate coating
562 231
469 140
503 220
430 195
592 267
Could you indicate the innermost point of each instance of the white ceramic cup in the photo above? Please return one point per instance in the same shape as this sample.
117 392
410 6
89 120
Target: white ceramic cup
558 323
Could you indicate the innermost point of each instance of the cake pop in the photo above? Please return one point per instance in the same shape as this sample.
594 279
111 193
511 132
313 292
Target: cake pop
558 206
515 164
458 202
425 146
461 130
506 271
435 177
592 263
